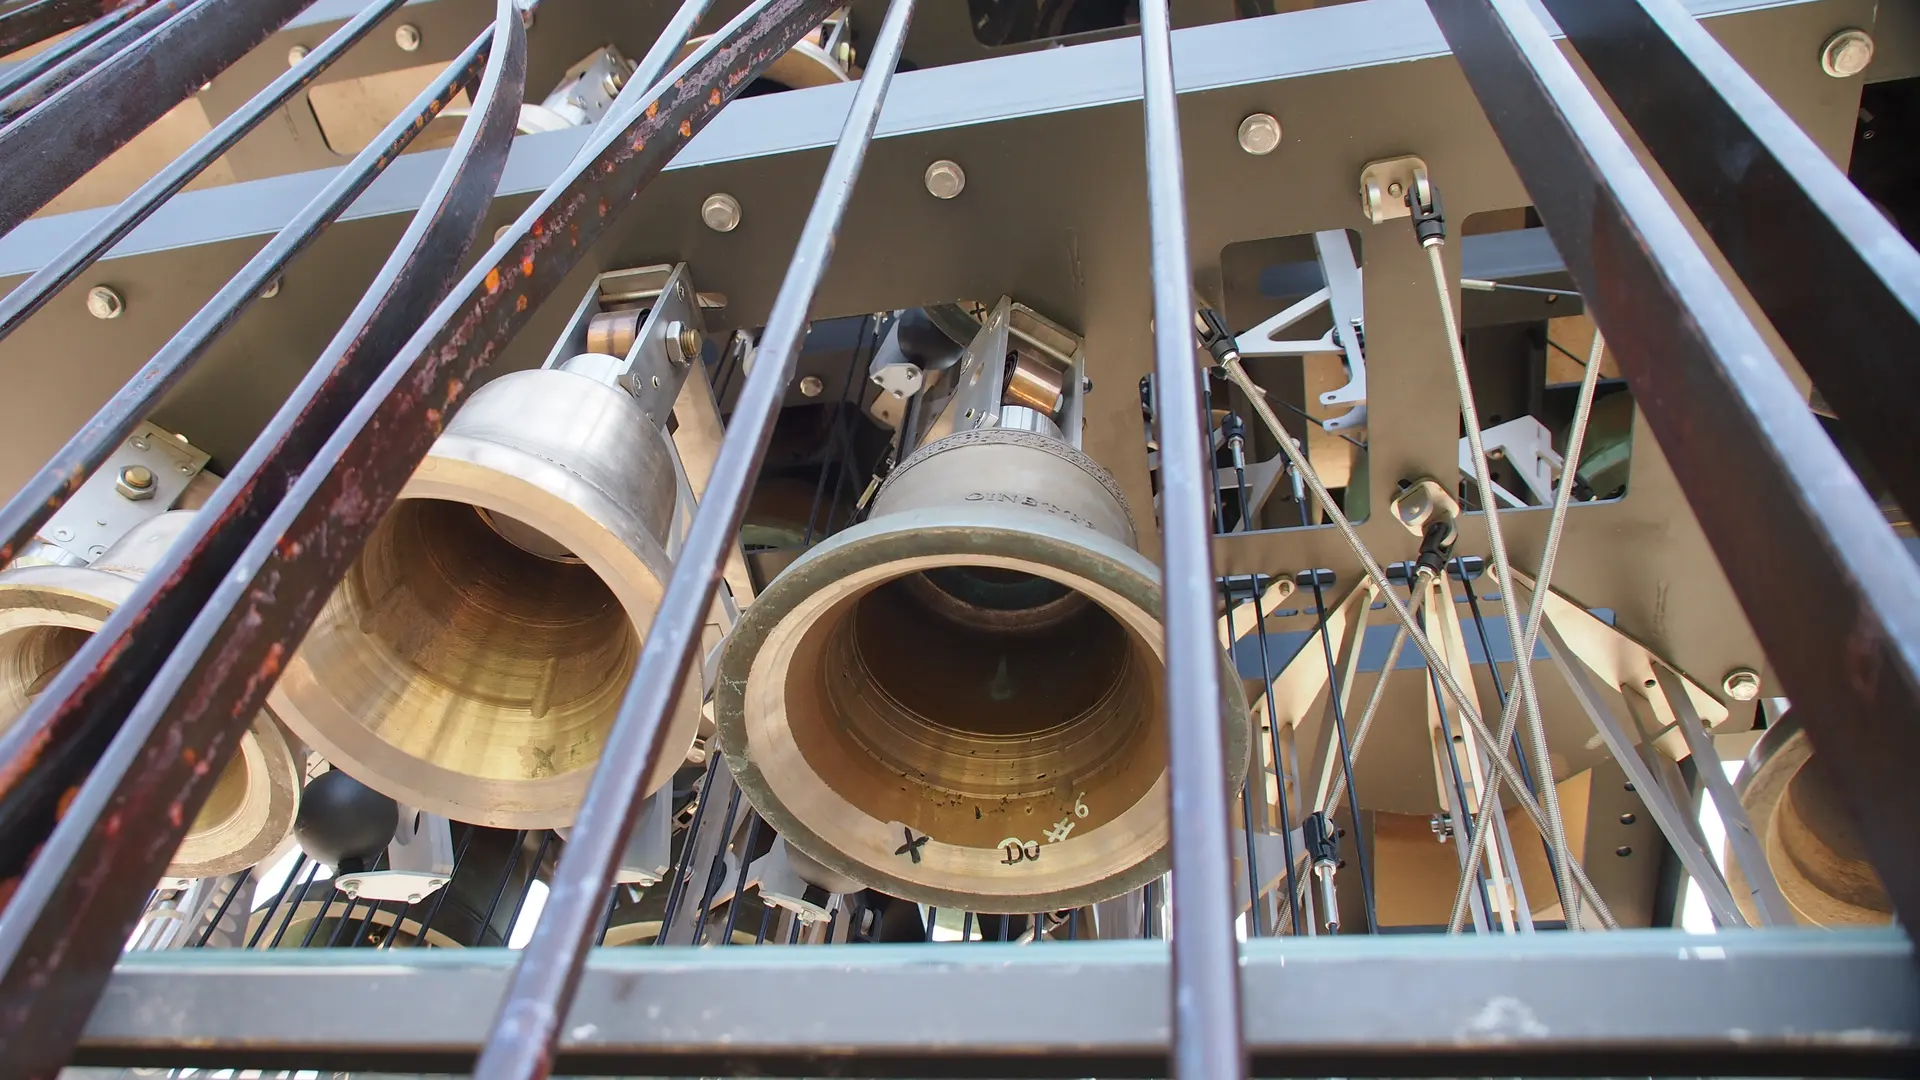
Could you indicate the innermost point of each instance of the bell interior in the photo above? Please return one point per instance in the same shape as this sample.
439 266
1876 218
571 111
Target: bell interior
30 658
973 701
477 643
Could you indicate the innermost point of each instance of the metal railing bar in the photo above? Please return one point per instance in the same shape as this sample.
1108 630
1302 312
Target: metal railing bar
1850 651
21 72
59 140
1207 1037
30 508
40 288
33 23
43 85
540 993
189 708
1836 279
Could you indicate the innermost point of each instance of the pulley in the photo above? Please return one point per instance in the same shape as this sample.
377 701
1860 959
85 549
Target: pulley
48 612
471 662
960 701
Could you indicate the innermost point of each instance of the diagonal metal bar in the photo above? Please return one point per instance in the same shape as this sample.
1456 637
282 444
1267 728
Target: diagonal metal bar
61 928
61 476
38 86
1729 421
538 997
1835 278
33 23
34 293
1207 1036
21 72
60 139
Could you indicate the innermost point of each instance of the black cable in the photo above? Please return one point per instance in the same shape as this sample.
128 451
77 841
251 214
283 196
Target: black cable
273 908
716 870
740 886
1346 747
679 871
221 913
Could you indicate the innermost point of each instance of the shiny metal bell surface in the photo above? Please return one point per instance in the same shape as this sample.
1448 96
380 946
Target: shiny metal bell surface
48 612
473 659
960 701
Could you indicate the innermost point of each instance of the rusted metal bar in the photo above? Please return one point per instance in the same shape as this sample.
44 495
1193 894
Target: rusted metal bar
60 139
527 1032
60 932
88 57
31 24
1739 436
66 916
46 282
21 72
1207 1037
28 510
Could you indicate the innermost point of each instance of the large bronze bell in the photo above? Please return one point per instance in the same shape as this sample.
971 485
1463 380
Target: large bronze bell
961 700
48 612
473 659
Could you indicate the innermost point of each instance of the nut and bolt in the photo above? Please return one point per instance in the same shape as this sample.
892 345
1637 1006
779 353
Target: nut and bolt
104 303
1396 189
1847 53
1741 684
407 36
945 179
721 212
295 55
135 483
1260 134
613 83
684 342
812 386
1442 826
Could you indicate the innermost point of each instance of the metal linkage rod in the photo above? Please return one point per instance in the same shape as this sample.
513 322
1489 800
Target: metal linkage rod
21 72
1730 422
1207 1036
57 480
35 292
60 139
527 1031
1557 844
1835 278
32 23
1231 365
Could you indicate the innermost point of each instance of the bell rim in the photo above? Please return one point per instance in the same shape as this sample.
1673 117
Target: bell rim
927 531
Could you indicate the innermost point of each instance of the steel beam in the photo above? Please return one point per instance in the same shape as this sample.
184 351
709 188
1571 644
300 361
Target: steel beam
1659 1002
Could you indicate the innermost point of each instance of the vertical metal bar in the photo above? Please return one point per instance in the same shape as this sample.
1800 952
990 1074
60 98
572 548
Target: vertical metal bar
294 908
1849 652
1207 1037
62 138
740 882
1336 705
1768 900
1464 824
1835 278
1279 763
522 1043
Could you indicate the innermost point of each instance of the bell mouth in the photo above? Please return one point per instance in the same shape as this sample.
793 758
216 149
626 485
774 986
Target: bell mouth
1810 842
962 710
474 642
252 804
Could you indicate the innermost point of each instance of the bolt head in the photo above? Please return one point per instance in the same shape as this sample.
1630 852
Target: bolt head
63 534
812 386
945 179
295 55
1260 134
272 289
1741 684
721 212
1847 53
104 303
407 36
135 483
1396 190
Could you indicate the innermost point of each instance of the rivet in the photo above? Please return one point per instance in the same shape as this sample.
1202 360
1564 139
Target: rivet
63 534
138 442
295 55
1260 134
1847 53
96 551
1623 851
104 303
721 212
945 179
407 36
812 386
185 468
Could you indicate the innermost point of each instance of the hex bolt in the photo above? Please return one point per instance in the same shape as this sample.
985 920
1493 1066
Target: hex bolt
684 342
945 179
812 386
1847 53
135 483
295 55
721 212
1260 134
104 303
407 36
1741 684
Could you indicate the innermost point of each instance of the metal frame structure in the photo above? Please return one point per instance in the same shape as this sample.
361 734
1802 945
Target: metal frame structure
101 774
